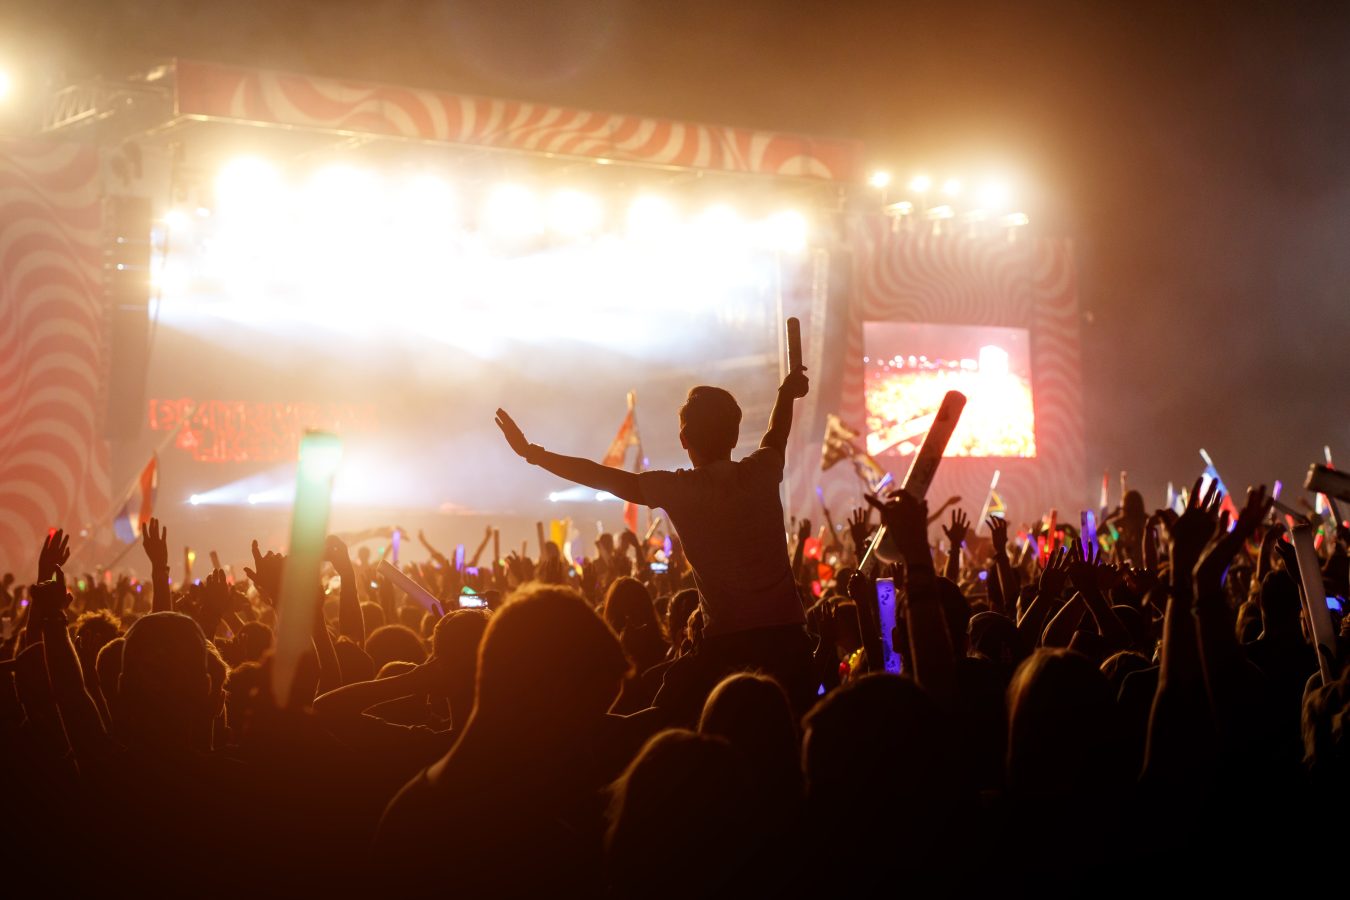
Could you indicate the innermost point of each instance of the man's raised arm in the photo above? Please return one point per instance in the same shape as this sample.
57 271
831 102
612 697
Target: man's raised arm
780 421
620 483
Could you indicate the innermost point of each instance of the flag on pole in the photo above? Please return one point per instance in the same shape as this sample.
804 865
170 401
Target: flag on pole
626 437
838 445
1105 502
1212 474
140 506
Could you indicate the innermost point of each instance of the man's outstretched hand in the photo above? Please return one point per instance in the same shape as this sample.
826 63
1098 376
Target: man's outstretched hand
795 385
514 436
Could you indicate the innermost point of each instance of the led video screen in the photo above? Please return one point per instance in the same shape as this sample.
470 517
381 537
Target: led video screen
909 367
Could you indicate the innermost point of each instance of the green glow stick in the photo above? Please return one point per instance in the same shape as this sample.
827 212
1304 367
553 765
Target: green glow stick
320 454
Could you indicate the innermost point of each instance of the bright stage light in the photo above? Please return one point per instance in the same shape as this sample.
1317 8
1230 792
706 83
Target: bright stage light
952 187
574 213
177 219
195 499
246 182
787 231
652 218
512 210
253 499
995 196
879 179
920 184
720 225
941 212
1015 220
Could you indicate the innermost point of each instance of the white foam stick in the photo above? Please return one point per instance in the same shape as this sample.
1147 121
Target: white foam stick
924 467
418 594
1315 598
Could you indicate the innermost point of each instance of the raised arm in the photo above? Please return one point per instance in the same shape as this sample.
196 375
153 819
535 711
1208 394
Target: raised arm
956 536
780 420
620 483
351 625
929 641
84 727
156 542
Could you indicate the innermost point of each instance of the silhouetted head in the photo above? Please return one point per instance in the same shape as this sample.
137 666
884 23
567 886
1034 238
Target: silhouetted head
681 605
710 424
1281 607
372 615
678 818
164 690
994 636
1132 507
354 662
628 604
454 649
872 738
752 712
255 639
395 643
1119 666
93 630
1063 739
547 662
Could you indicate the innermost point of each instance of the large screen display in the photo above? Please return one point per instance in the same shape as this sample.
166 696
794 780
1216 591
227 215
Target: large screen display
909 367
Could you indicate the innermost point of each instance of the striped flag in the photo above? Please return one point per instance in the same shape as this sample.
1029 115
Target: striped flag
626 437
140 506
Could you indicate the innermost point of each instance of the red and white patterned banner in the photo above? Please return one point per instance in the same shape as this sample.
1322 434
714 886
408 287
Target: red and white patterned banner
53 458
210 90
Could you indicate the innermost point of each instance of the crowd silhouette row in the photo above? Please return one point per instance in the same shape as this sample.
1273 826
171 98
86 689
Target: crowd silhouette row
1134 715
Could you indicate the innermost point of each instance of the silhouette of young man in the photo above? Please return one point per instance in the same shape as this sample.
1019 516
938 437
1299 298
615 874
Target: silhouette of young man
730 520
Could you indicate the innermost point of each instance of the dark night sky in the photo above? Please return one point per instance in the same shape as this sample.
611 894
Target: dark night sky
1200 156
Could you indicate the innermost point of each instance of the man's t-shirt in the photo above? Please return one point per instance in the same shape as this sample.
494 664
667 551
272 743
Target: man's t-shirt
730 521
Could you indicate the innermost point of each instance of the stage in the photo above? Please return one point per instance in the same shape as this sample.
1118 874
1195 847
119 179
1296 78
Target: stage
201 262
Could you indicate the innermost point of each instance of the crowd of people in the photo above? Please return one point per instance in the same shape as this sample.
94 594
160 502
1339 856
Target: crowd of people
1146 712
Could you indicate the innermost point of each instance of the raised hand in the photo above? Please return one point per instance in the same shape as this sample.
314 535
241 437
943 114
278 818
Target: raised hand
1191 532
1055 574
1224 544
55 552
511 431
49 598
906 520
266 574
803 531
998 533
1085 563
857 530
155 540
957 531
335 552
795 385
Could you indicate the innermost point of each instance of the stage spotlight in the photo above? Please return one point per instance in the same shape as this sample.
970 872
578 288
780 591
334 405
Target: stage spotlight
651 217
177 219
247 181
512 210
253 499
574 213
1015 220
995 196
952 187
941 212
879 179
195 499
721 225
787 231
920 184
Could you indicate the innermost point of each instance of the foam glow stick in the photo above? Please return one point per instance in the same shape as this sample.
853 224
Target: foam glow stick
416 593
886 617
924 467
1172 494
1089 523
496 546
1105 503
988 498
320 454
1315 598
393 541
794 344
